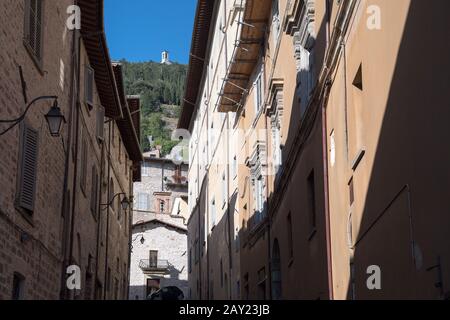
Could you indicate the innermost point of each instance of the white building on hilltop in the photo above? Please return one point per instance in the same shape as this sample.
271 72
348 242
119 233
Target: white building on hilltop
165 58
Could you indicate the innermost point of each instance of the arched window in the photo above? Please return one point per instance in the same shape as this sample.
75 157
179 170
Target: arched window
276 271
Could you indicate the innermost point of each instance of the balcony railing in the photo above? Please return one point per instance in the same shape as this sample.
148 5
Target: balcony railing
153 265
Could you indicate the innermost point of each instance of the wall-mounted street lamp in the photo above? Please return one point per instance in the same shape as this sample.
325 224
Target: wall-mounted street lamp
54 117
125 203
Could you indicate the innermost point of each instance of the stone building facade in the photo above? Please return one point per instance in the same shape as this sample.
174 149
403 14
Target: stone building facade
307 167
159 236
53 215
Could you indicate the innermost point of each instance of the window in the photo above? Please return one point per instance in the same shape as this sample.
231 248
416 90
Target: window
277 151
332 149
259 194
153 259
224 190
259 93
83 167
234 167
89 87
213 213
146 169
262 284
162 205
312 200
33 28
120 150
275 22
111 193
17 287
28 167
119 208
100 123
143 201
94 192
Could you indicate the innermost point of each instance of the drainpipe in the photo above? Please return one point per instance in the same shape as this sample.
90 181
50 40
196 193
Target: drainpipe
325 163
99 217
67 163
108 208
230 253
69 259
269 223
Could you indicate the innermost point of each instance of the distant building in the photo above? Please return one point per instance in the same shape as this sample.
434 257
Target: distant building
159 255
165 58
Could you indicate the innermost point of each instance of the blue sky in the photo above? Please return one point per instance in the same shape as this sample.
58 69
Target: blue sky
139 30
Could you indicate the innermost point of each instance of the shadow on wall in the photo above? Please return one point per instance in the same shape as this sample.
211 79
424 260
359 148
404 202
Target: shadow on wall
405 222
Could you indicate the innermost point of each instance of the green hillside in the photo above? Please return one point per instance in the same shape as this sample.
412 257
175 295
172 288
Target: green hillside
161 88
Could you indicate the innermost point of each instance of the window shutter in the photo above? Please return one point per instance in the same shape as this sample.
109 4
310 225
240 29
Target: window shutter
83 165
89 86
29 158
100 123
33 26
94 192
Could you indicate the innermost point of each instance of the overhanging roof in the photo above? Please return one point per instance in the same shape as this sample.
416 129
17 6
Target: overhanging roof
93 34
199 46
130 136
245 55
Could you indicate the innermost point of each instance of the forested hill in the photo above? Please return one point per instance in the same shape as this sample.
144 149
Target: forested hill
161 88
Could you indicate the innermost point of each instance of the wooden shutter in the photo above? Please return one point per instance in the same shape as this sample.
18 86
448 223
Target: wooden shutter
33 27
83 165
89 86
94 191
100 123
29 158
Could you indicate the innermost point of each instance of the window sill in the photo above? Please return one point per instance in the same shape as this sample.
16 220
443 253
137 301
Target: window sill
38 63
27 216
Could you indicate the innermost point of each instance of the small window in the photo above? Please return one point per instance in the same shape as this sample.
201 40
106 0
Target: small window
89 87
213 213
18 287
34 28
259 94
100 123
234 168
143 201
153 259
145 169
162 206
94 192
111 193
224 190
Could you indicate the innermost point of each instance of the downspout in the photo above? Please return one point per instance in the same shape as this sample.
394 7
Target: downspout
75 170
99 216
66 165
269 223
130 222
230 253
108 208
